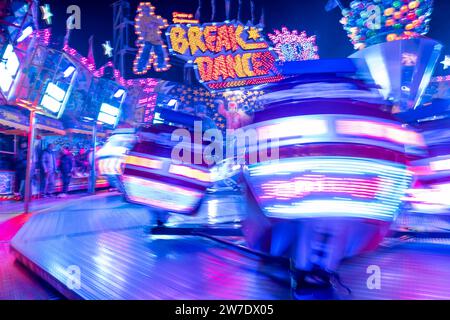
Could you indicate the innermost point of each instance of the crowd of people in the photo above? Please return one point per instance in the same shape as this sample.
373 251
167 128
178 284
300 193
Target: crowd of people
51 164
66 164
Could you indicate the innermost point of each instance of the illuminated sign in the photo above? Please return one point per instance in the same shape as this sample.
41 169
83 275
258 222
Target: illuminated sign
372 129
181 17
161 195
302 186
225 55
294 45
319 187
152 50
146 107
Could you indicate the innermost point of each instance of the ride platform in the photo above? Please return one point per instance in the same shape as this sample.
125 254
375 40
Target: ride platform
106 239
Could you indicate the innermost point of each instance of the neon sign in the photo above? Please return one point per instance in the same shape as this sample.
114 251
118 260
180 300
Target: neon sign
312 187
294 46
152 50
180 17
161 195
305 185
225 55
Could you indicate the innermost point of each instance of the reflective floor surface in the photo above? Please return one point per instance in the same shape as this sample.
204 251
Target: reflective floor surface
104 237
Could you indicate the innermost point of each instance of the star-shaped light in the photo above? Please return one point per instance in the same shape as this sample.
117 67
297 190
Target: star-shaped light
108 49
46 13
253 33
446 62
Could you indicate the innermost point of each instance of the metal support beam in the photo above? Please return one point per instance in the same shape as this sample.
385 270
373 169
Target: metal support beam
30 157
122 27
93 176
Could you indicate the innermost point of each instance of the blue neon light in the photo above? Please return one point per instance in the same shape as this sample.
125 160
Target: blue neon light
321 187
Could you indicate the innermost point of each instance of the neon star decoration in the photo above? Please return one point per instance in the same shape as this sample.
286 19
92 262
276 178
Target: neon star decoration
46 13
446 62
253 34
108 49
294 46
157 24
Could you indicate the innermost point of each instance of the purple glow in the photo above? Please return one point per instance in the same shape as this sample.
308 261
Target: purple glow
294 46
312 187
161 195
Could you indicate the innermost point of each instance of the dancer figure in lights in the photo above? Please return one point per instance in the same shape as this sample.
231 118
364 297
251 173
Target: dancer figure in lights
151 46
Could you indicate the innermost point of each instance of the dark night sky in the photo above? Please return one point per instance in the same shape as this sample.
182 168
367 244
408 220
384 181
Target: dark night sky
306 15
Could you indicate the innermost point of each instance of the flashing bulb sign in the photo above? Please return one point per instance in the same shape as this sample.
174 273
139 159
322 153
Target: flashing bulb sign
225 55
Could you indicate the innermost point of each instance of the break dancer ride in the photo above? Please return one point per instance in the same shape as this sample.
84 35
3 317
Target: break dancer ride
333 192
110 158
152 178
340 177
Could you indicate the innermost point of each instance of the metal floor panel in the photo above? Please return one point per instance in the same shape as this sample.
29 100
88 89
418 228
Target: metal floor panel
36 205
108 212
18 283
419 222
104 237
409 271
128 265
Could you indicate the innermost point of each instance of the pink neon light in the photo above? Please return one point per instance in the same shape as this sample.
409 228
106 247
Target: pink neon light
148 100
243 83
421 170
43 36
441 78
293 128
10 227
374 129
162 186
302 186
186 199
293 39
148 84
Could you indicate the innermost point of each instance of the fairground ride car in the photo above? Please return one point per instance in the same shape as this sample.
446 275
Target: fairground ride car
339 179
152 177
431 189
111 156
